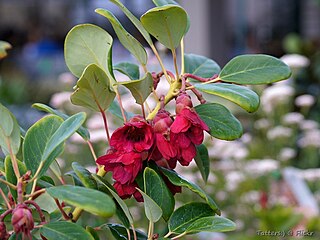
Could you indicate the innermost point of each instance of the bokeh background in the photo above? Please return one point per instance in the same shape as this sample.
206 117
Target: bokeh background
267 180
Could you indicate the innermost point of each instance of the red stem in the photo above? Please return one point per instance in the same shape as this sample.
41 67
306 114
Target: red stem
41 215
197 93
66 217
200 79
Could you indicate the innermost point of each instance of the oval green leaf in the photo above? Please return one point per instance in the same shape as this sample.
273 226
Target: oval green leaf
93 89
64 230
202 161
83 132
254 69
178 180
36 140
168 24
10 174
221 122
211 224
120 232
65 130
242 96
140 89
184 216
121 203
129 69
156 188
134 20
86 44
84 176
151 208
10 136
200 65
90 200
125 38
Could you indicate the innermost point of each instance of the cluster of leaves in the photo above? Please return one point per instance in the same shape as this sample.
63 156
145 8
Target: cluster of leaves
88 55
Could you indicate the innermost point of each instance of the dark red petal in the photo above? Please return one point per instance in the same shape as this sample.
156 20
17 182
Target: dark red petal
180 124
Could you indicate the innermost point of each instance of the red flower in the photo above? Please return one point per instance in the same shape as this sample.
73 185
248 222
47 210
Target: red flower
164 142
187 130
130 146
124 165
127 190
22 220
183 100
136 135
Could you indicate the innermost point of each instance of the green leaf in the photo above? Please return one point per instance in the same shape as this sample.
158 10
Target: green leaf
65 130
93 89
156 188
186 215
84 176
86 44
116 197
160 3
242 96
134 20
83 132
75 178
93 232
90 200
221 122
3 47
64 230
55 168
151 208
202 161
120 232
45 182
126 39
6 122
140 89
178 180
46 202
129 69
254 69
36 139
168 24
9 132
211 224
200 66
10 174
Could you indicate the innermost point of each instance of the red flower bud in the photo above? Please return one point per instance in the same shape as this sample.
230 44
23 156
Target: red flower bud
3 231
22 220
183 101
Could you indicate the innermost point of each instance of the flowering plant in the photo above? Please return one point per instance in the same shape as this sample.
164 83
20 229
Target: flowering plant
143 152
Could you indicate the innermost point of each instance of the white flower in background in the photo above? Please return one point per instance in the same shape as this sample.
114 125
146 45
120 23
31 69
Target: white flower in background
233 179
246 138
67 79
308 125
292 118
312 174
95 122
287 154
275 95
251 197
262 124
305 100
59 99
259 167
228 150
295 60
310 138
279 132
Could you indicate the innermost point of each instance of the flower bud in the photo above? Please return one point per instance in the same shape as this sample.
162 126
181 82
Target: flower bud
183 101
162 121
22 220
3 231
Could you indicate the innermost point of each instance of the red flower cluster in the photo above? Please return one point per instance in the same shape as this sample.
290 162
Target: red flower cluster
165 140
